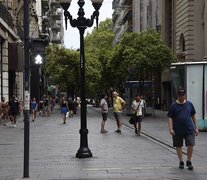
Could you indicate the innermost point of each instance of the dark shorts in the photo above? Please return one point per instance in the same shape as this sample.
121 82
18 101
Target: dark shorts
13 113
178 140
138 119
104 116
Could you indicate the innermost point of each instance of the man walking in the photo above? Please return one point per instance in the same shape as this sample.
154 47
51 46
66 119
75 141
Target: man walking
138 110
182 124
14 107
118 106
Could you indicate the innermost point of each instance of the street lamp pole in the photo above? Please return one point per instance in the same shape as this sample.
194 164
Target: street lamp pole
26 88
82 23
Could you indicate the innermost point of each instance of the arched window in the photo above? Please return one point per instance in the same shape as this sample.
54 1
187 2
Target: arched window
182 43
182 53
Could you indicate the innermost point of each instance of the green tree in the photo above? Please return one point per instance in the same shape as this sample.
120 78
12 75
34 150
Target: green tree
144 53
61 67
99 51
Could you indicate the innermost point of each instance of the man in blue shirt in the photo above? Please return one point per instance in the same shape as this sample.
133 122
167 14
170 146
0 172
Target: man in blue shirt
182 124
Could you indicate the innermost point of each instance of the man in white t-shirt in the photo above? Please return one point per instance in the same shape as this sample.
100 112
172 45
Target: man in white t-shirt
104 110
137 108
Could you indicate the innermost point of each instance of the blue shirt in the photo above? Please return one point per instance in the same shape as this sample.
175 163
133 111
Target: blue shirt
181 114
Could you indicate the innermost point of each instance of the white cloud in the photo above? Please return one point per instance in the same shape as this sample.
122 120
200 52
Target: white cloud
71 35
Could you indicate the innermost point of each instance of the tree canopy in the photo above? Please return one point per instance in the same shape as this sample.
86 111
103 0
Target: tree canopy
137 54
62 67
98 46
142 53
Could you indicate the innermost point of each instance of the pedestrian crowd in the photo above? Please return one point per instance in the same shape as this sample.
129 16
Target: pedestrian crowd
182 119
10 110
182 123
137 106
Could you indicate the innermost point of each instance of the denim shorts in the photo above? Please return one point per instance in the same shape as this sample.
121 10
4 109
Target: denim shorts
178 140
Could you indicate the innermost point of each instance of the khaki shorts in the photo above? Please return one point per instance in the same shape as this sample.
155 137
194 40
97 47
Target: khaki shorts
117 116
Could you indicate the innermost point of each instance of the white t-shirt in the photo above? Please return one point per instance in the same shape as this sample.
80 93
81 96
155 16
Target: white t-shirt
104 106
135 105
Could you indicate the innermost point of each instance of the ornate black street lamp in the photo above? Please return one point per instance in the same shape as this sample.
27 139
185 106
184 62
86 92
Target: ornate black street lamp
82 23
26 90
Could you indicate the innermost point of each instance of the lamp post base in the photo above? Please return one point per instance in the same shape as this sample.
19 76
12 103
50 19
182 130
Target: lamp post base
84 152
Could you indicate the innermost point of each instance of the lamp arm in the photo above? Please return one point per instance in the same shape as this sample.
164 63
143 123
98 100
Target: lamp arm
93 17
72 21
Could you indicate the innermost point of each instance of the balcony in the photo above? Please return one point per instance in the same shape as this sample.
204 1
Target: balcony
127 2
20 32
56 27
115 3
55 3
127 15
56 14
45 4
127 27
6 16
56 39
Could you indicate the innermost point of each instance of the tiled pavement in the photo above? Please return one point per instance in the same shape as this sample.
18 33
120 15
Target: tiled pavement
53 147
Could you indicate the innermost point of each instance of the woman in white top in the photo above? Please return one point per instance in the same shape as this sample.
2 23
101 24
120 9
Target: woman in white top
104 110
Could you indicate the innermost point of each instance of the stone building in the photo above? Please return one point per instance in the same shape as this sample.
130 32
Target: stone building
41 14
11 49
181 23
184 29
137 16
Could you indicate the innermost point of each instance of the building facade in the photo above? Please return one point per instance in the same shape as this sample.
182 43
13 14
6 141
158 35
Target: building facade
11 49
181 23
137 16
42 26
184 30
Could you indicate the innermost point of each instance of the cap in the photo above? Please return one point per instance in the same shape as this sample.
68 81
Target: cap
115 93
181 92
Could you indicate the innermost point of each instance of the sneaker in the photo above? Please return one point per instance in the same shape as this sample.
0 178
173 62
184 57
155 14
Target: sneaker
181 165
136 131
103 131
118 131
14 125
189 164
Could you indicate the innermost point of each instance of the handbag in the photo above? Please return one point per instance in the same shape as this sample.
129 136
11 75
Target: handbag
132 119
67 114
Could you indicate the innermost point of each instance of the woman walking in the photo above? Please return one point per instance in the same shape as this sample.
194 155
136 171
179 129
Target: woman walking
104 110
64 109
34 106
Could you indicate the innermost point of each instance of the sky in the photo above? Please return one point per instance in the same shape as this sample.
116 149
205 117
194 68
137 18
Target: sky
71 35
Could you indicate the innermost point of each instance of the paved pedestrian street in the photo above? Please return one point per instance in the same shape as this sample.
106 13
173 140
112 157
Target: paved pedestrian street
53 147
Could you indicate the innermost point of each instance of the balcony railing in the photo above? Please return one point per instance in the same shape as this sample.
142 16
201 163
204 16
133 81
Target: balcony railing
6 16
20 32
127 2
